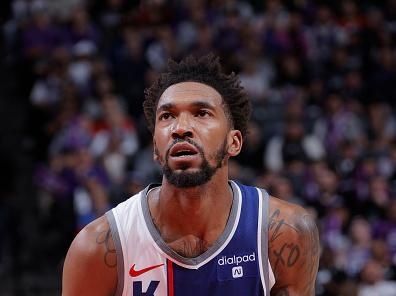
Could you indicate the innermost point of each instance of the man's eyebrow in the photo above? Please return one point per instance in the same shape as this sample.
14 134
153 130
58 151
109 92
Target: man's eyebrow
167 106
195 104
202 104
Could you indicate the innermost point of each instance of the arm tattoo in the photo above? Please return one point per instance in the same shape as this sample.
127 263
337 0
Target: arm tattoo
276 224
301 253
289 253
110 256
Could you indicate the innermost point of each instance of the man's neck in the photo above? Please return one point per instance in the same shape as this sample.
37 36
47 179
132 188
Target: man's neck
191 215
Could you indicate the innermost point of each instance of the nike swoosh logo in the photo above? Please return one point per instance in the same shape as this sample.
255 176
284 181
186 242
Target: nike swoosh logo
134 273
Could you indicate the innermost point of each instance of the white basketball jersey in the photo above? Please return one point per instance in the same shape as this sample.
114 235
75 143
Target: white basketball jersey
236 264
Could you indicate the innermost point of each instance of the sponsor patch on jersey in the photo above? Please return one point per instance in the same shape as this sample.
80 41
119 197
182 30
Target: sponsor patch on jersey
236 266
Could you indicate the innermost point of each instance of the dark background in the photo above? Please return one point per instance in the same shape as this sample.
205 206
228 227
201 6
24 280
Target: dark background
74 143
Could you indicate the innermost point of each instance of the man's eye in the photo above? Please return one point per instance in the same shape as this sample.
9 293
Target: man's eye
203 113
165 116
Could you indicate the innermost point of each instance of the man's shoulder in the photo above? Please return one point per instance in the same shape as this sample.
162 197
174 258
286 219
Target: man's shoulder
286 208
92 238
296 218
91 260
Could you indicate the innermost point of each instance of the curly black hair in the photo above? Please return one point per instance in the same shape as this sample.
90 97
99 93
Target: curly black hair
206 70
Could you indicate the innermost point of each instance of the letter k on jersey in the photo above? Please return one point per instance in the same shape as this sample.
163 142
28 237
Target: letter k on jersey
134 273
138 288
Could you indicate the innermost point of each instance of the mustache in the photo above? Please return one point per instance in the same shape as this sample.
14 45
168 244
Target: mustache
180 140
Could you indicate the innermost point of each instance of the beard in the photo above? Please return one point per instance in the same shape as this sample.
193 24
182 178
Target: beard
204 173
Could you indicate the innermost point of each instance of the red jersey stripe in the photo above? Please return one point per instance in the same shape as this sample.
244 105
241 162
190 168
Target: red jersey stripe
169 267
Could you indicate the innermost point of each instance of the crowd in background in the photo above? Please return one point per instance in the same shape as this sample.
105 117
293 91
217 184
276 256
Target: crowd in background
321 76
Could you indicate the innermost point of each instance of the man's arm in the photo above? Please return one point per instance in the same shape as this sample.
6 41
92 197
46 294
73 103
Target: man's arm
293 249
90 264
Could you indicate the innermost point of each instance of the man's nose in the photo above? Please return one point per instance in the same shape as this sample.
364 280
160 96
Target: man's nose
182 127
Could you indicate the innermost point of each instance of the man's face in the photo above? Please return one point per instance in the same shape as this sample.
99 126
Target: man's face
192 135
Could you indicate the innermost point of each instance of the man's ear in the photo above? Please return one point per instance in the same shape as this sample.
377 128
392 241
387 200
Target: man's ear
155 152
235 141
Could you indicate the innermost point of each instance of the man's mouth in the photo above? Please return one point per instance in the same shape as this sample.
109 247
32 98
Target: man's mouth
183 153
183 150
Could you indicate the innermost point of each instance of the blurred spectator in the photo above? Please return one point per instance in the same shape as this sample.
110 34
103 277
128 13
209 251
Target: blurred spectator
255 78
333 229
134 183
380 253
145 165
80 67
381 127
251 155
379 198
283 189
325 35
81 28
383 76
294 146
129 67
366 170
338 124
322 188
110 17
385 229
114 140
90 197
162 48
358 251
62 9
51 74
374 282
41 36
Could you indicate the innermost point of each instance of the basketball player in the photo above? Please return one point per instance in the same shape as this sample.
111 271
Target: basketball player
196 233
